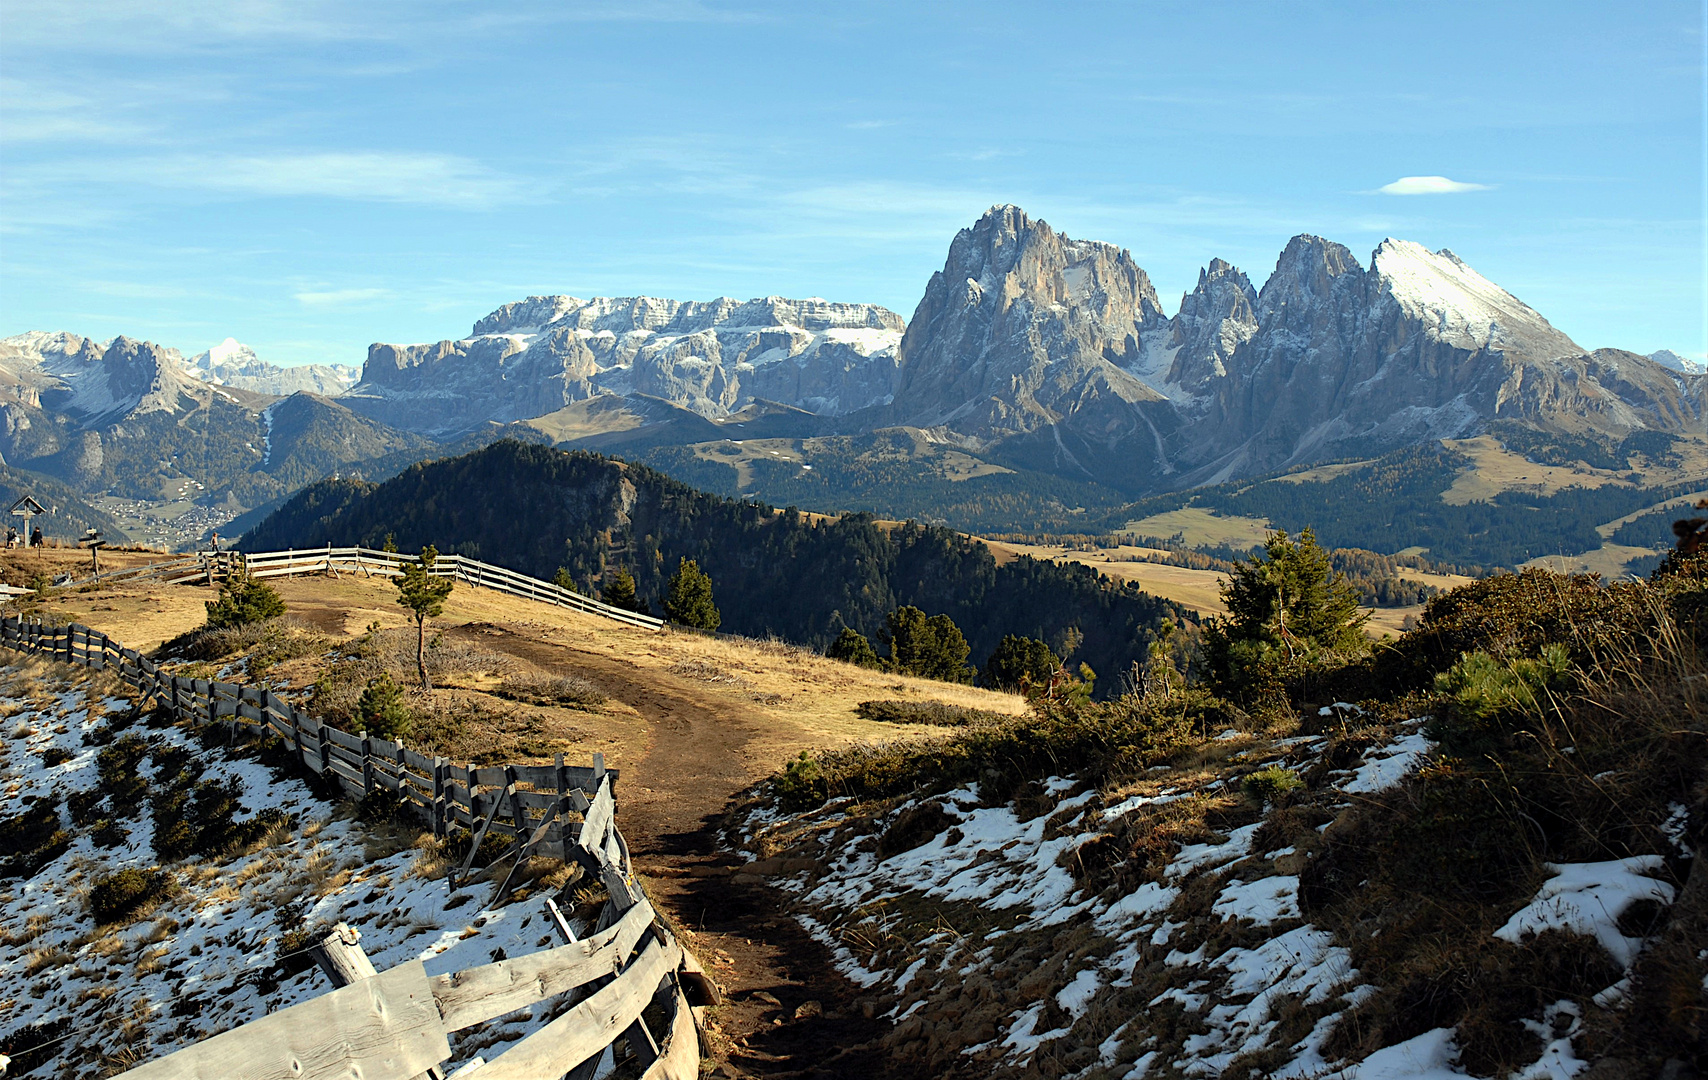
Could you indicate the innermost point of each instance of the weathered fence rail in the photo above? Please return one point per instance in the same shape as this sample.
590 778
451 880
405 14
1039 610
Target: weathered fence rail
395 1025
264 564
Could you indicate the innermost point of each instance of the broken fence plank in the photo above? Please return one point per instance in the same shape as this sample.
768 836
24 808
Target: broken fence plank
476 995
383 1028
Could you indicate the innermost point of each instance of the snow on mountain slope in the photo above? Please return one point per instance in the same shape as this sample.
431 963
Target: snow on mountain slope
716 357
232 363
1457 304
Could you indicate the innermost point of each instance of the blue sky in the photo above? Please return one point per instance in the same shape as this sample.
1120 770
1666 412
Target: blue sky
310 177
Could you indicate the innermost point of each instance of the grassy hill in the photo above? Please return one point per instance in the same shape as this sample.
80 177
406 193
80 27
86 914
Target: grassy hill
797 577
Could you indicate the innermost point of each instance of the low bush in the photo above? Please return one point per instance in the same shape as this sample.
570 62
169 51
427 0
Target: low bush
120 896
56 755
31 838
243 601
1267 785
935 713
1486 699
801 785
1092 739
119 769
535 689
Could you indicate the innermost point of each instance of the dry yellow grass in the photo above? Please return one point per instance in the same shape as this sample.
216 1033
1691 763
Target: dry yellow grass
790 699
1198 527
1496 469
1324 472
1608 560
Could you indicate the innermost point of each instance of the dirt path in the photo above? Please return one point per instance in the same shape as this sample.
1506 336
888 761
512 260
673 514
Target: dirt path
769 968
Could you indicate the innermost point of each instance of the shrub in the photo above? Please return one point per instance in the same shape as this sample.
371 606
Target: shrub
852 647
31 839
119 767
56 755
1269 784
242 601
380 711
119 896
937 713
1488 698
801 785
551 690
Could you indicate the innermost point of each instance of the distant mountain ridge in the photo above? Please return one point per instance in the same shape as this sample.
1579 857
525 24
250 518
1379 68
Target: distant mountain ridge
126 417
545 353
232 363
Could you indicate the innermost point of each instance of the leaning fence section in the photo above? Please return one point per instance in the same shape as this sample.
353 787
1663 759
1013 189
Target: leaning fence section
395 1025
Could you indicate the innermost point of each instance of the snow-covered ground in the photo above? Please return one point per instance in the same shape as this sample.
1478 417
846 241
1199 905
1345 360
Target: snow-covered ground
982 943
208 958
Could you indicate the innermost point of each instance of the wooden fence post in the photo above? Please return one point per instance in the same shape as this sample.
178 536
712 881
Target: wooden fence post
367 764
440 825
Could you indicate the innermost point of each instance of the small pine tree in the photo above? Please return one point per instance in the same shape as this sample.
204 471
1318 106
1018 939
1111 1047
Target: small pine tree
243 600
1018 663
424 595
381 711
562 580
619 591
930 647
689 601
851 646
1286 610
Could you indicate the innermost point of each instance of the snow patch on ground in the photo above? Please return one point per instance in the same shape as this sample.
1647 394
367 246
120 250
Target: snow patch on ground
1384 768
1588 898
213 947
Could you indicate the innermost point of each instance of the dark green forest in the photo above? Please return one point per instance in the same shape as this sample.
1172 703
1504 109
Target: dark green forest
535 509
880 474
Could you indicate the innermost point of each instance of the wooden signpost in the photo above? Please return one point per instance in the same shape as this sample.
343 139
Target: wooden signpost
93 541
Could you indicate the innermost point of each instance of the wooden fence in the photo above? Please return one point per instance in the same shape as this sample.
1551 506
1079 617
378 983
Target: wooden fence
395 1025
210 566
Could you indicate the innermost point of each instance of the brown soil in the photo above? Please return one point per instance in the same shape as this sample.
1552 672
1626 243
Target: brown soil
670 805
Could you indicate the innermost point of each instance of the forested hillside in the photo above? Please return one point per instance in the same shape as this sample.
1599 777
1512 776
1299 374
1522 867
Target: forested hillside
1394 503
535 509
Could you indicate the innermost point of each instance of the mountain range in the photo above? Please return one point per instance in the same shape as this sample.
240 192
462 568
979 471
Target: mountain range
1035 351
1039 366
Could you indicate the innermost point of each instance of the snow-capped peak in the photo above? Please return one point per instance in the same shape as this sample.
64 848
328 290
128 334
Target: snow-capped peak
1460 305
1668 359
229 351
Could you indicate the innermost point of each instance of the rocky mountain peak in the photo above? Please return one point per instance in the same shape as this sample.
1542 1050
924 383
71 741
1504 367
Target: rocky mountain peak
1310 270
1007 256
1214 319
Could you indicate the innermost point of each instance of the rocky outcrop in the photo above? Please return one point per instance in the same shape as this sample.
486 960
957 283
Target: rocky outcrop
1345 360
1214 320
541 354
1020 343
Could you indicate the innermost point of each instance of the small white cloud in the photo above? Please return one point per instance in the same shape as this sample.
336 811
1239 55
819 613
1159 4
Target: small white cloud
339 297
1428 185
867 125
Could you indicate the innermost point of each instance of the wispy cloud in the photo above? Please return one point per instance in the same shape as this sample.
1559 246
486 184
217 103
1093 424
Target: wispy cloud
868 125
339 297
1428 185
372 176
